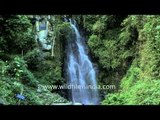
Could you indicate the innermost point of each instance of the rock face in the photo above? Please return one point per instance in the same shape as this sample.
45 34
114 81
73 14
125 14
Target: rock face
42 40
42 30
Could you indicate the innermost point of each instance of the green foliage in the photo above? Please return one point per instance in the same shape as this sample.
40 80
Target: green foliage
113 47
22 75
16 78
9 89
62 30
93 42
88 21
141 93
140 84
126 48
52 73
98 27
98 23
3 68
41 98
132 75
147 27
18 70
16 67
6 91
33 59
106 49
16 32
150 51
134 90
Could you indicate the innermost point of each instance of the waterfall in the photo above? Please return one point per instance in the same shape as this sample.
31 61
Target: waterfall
80 71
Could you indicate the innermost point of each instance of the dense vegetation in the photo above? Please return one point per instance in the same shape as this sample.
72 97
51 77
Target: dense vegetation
125 48
24 68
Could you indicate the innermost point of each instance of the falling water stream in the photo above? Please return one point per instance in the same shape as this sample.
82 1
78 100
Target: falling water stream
81 73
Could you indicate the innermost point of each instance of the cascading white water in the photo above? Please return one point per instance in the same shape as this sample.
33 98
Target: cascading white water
81 73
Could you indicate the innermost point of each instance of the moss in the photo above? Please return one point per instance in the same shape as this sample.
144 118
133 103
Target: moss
139 85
